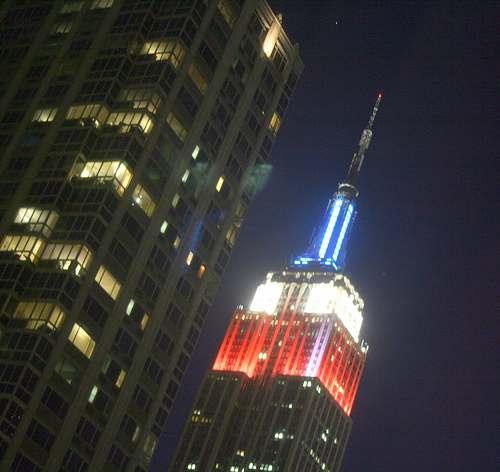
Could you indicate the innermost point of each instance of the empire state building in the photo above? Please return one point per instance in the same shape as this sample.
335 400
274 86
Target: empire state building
280 393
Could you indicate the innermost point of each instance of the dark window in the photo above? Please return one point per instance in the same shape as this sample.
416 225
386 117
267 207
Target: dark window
40 435
88 432
164 342
132 226
55 403
153 370
126 342
141 399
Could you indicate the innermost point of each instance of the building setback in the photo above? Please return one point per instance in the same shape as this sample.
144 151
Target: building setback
280 392
132 137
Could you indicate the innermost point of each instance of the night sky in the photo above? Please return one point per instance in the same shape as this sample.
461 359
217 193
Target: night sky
425 247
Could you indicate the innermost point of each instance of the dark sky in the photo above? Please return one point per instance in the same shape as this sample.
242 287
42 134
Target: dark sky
425 247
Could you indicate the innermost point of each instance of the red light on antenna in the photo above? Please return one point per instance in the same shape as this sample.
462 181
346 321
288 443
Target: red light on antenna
379 95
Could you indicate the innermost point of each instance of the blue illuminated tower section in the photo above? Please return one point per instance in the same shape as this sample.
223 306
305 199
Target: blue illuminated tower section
328 246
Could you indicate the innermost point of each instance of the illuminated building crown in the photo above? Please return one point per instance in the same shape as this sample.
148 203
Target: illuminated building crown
328 245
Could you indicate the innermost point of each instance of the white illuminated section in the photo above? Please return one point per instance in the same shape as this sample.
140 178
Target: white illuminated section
266 297
343 230
326 299
329 230
272 36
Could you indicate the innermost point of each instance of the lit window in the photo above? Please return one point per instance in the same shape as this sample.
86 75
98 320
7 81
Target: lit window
144 321
198 78
226 11
101 4
71 7
143 200
150 446
115 172
189 258
136 433
185 176
177 127
66 370
177 242
61 28
26 247
43 115
40 221
127 121
164 227
231 236
140 98
120 378
165 51
272 36
108 282
93 393
130 306
69 256
96 112
201 271
219 184
40 314
275 124
82 340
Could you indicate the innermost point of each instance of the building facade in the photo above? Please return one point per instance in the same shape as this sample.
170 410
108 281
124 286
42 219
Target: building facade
281 390
132 137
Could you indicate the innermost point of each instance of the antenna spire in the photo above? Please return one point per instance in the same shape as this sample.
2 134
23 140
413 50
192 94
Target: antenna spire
357 160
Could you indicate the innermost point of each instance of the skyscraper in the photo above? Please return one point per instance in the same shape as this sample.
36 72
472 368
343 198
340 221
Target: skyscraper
132 137
281 390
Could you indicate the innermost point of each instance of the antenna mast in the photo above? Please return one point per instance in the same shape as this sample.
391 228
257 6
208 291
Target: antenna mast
357 160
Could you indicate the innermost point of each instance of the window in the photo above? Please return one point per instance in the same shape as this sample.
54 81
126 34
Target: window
101 4
150 446
125 341
130 427
165 51
96 112
231 235
36 220
72 461
164 342
26 247
88 432
274 124
40 314
153 370
40 435
108 282
135 311
73 257
208 55
82 340
142 399
114 372
198 78
115 172
176 126
143 200
118 458
140 98
66 370
132 226
44 115
127 121
226 11
71 6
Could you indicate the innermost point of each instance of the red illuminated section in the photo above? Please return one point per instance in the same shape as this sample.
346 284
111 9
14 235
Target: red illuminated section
262 346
